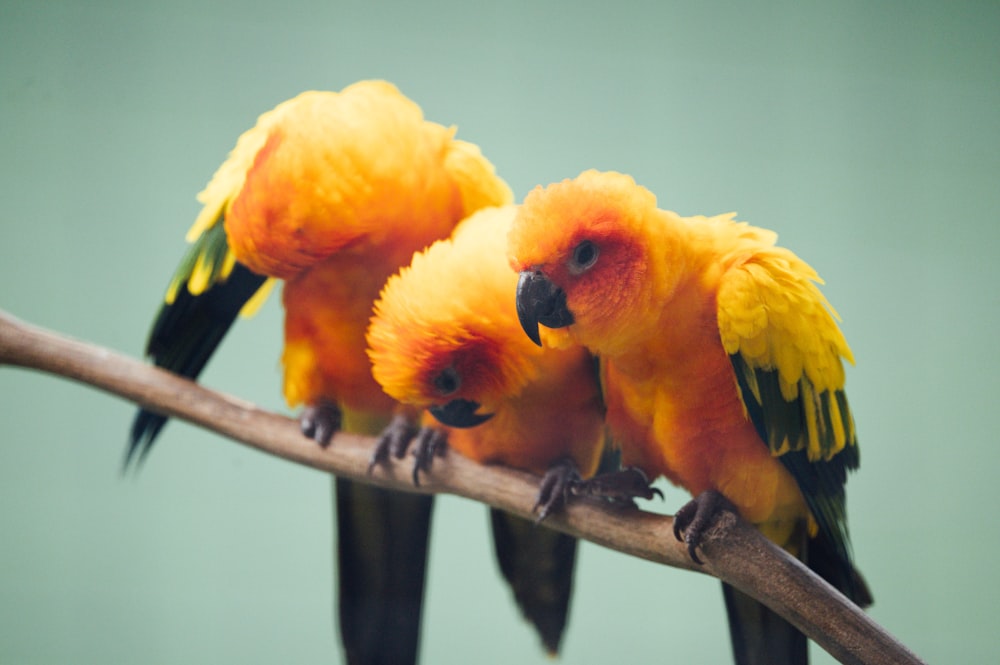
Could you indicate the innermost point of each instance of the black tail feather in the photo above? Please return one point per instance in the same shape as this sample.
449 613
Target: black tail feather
538 564
382 539
827 561
759 635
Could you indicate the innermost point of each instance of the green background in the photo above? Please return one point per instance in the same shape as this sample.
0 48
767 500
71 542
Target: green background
866 134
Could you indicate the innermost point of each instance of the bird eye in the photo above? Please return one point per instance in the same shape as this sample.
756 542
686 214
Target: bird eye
447 382
584 256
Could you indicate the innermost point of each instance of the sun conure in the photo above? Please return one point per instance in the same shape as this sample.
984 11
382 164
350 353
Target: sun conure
445 337
330 192
722 367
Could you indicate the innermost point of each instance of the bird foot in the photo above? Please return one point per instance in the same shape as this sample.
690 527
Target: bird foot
618 487
397 438
393 441
427 444
695 517
555 487
320 421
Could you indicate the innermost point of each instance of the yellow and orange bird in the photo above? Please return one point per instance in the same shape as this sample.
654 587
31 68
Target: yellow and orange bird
330 192
445 337
722 366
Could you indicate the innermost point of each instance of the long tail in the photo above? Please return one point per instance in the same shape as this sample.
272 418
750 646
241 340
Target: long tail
538 565
189 327
382 539
760 636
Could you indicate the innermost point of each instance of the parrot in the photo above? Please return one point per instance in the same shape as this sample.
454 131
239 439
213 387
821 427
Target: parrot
330 193
445 337
722 366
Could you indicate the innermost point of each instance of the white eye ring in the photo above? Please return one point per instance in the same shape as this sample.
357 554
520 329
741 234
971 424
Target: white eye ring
584 257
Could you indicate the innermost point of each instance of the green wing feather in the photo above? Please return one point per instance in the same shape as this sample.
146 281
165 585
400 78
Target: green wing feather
787 353
209 287
206 293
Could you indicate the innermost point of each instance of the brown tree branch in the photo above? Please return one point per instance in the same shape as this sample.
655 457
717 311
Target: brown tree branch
733 551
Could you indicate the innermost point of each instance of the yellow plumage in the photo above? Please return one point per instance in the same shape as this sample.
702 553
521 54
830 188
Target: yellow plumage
723 362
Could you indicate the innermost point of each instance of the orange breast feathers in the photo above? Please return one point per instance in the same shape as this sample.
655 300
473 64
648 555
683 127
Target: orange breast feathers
692 428
671 304
445 330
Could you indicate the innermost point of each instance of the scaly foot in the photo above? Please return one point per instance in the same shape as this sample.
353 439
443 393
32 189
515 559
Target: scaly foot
695 517
429 443
618 487
396 439
320 421
393 441
556 485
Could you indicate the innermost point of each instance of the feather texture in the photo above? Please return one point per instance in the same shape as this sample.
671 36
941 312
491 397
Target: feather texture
330 192
722 360
446 329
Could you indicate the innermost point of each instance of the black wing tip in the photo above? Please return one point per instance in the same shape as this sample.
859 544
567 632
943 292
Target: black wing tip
823 484
182 339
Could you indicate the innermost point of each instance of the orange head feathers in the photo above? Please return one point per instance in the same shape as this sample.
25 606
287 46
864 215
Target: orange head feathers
591 238
445 336
593 206
445 327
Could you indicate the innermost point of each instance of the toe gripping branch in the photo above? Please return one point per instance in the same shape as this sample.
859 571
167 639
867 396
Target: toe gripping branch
399 436
696 517
620 487
320 422
691 523
556 486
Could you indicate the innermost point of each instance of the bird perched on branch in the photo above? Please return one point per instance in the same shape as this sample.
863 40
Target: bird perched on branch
445 337
722 368
330 192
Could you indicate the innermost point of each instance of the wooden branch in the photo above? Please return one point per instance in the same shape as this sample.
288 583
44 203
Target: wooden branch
733 551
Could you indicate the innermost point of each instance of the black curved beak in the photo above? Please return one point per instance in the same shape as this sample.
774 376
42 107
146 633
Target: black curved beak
539 301
460 413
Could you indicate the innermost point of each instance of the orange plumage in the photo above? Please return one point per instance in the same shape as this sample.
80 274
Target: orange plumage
722 361
649 308
445 333
452 311
330 192
342 189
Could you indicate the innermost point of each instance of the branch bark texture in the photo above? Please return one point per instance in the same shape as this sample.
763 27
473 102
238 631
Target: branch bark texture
733 551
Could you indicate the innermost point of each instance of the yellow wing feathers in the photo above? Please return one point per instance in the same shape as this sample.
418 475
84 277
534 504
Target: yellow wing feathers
771 311
209 262
774 319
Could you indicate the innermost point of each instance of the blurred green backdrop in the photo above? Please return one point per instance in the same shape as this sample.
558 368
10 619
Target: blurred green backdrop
866 134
